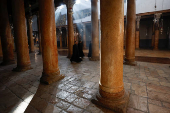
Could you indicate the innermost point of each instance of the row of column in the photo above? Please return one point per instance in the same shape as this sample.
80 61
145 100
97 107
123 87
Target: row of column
47 28
95 30
155 34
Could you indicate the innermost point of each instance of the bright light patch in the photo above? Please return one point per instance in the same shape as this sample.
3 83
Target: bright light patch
61 7
23 105
87 0
77 1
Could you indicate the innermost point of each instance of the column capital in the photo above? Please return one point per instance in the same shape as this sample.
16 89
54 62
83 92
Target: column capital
138 18
69 5
84 25
157 16
138 22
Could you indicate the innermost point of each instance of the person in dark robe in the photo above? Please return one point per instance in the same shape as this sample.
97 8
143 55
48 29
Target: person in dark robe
80 47
75 57
90 50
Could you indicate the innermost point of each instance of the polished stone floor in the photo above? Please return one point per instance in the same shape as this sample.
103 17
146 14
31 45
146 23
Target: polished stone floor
148 83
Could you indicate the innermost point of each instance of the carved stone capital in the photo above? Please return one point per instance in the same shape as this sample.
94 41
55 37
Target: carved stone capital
138 22
157 16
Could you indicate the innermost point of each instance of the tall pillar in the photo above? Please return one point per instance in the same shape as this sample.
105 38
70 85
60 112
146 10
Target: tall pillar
1 54
111 88
130 33
156 41
51 72
84 36
95 31
69 4
30 36
39 34
20 34
137 31
60 35
5 33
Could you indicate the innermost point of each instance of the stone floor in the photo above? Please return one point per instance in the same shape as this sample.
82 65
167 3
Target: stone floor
148 83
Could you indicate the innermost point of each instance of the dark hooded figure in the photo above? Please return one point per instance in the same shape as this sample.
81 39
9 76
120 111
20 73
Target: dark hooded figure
80 47
90 50
75 56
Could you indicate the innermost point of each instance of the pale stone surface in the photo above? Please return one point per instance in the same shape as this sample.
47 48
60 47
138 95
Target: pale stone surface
157 109
138 102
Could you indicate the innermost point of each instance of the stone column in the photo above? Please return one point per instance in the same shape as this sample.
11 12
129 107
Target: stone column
60 35
95 31
69 4
30 36
51 72
111 88
5 33
130 33
137 31
39 34
20 34
1 54
84 36
156 40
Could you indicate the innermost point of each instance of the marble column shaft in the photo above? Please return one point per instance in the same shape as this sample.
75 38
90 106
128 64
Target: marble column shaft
5 33
51 72
30 36
20 34
95 30
39 34
156 39
137 31
69 5
111 88
84 36
130 32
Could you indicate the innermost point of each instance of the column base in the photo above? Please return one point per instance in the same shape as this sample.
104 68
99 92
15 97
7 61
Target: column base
23 68
94 58
7 63
129 62
51 78
117 105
